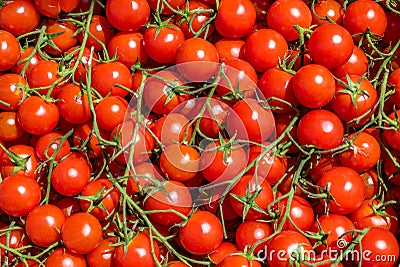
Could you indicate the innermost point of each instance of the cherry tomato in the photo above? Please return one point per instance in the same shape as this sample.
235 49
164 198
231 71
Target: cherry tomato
235 18
9 52
19 195
100 31
392 136
73 104
43 225
330 45
44 75
224 250
13 239
10 130
102 255
110 112
230 48
327 9
198 19
163 8
357 64
320 165
127 15
235 260
249 232
17 69
342 182
107 75
80 72
48 144
65 37
27 166
11 91
19 17
394 80
53 8
209 233
173 128
284 14
301 214
270 167
64 258
128 48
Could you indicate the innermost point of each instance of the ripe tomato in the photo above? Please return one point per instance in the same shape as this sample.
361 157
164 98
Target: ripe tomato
65 37
342 182
235 18
357 64
224 250
70 176
36 116
330 45
128 48
44 75
110 112
9 51
84 136
382 247
28 165
371 182
102 255
164 9
73 104
253 192
301 214
173 128
289 248
13 239
249 232
362 15
107 75
365 97
363 154
104 203
327 8
17 69
53 8
284 14
209 233
81 233
80 72
320 128
270 167
62 258
19 195
250 121
230 48
47 145
392 136
196 59
19 17
219 163
313 86
265 42
320 165
11 90
127 15
197 19
334 226
138 252
176 197
235 260
100 31
10 130
161 44
43 225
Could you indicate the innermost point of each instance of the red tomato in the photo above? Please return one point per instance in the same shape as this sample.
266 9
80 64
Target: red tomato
53 8
320 165
44 75
81 70
327 9
9 51
284 14
107 75
235 18
307 85
392 136
10 129
196 59
48 144
43 225
230 48
81 233
29 64
62 258
70 176
11 90
13 239
371 182
19 194
224 250
100 31
173 128
382 247
330 45
164 9
161 44
180 202
110 112
128 48
301 214
235 260
363 154
342 182
127 15
102 255
138 252
249 232
73 104
364 14
209 233
265 42
198 19
357 64
65 38
250 188
27 165
19 17
320 128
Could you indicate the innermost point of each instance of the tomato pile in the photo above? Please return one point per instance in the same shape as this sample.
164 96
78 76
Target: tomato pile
199 133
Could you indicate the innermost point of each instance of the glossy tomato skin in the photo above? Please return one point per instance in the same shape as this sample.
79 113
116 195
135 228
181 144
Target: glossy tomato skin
14 239
26 152
106 75
238 261
43 75
47 145
380 243
11 91
209 233
100 30
330 45
110 112
9 52
313 86
357 64
181 202
73 104
43 225
197 21
138 252
235 18
64 258
364 14
320 128
301 213
327 8
200 57
102 255
164 9
66 38
11 130
342 182
224 250
257 46
392 136
249 232
19 195
284 14
127 15
19 17
17 69
53 8
320 165
80 73
81 233
230 48
161 44
364 153
128 47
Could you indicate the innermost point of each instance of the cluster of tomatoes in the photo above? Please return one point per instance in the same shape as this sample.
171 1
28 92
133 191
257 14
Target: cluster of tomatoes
199 133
